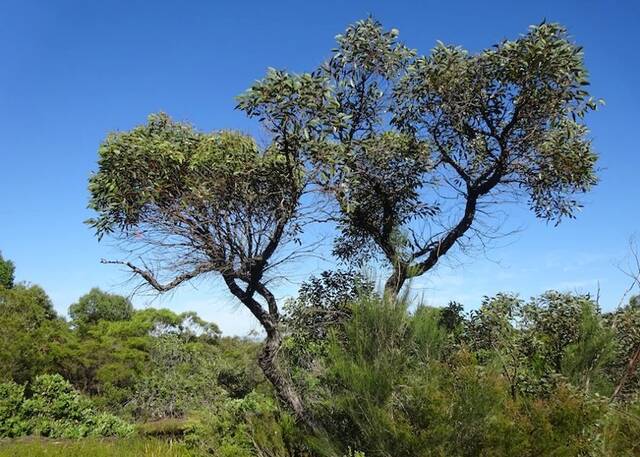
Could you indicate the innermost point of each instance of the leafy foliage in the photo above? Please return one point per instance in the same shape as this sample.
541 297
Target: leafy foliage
54 409
415 149
513 377
180 377
31 334
98 305
388 389
112 358
7 270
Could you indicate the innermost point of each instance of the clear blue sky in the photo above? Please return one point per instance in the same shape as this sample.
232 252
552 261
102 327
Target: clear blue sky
72 71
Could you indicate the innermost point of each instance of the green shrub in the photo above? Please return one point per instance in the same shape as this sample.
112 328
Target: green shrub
398 384
11 398
182 376
54 409
105 424
621 431
253 425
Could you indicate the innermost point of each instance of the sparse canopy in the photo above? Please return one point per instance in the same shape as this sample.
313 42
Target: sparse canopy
418 152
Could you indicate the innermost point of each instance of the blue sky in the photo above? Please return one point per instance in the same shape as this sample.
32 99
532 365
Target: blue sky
70 72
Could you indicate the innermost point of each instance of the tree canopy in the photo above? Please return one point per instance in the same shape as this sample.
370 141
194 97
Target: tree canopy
97 306
420 151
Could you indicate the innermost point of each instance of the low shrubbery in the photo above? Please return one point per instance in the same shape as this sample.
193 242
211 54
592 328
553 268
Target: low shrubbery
51 407
512 378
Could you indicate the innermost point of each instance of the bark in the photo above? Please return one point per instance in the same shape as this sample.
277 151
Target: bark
284 387
395 282
268 359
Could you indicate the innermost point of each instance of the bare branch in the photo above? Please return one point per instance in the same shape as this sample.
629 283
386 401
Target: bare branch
153 282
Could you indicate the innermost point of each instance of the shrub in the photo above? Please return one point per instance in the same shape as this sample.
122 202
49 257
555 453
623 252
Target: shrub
182 376
11 398
621 431
54 409
397 383
246 427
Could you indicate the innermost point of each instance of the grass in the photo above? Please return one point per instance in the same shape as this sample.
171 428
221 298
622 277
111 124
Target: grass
143 447
166 428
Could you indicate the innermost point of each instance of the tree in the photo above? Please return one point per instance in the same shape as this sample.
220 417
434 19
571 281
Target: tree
389 137
7 270
31 334
201 204
98 306
109 358
420 152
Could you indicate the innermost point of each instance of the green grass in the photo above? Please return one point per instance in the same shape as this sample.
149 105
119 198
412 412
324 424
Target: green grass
143 447
166 428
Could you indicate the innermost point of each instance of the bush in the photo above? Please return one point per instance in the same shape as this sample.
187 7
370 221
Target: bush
253 425
11 398
181 377
54 409
399 383
621 431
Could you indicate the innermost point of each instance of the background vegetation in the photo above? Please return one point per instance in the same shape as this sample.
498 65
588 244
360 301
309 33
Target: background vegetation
547 376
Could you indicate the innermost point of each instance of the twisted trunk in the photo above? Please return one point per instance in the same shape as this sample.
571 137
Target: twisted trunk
282 384
394 283
268 359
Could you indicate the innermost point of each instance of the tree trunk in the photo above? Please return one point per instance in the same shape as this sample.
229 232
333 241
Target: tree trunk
285 390
395 282
268 358
630 369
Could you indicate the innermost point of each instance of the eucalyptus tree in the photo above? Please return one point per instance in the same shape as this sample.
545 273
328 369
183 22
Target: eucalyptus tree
190 205
420 152
407 151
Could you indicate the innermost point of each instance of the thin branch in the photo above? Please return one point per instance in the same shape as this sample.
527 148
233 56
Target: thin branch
149 277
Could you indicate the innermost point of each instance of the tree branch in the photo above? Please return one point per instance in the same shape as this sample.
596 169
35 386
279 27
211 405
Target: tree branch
153 282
